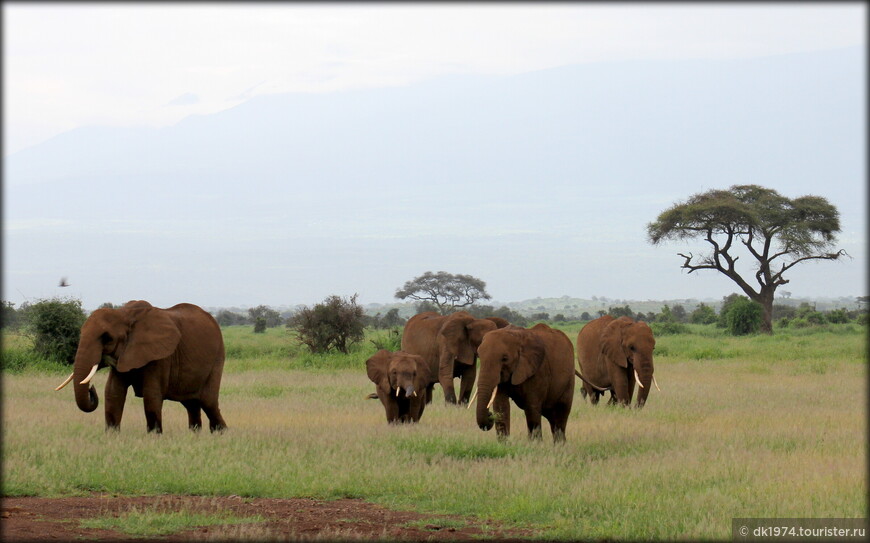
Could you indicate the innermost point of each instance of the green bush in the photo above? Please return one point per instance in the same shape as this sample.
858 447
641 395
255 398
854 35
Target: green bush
54 325
743 317
334 324
666 328
703 314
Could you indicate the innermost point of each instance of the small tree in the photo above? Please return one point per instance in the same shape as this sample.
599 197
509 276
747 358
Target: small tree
617 312
271 318
447 291
743 317
9 319
703 314
778 233
336 323
55 325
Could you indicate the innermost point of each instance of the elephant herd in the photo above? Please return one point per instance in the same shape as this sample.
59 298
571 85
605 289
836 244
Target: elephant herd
533 367
178 354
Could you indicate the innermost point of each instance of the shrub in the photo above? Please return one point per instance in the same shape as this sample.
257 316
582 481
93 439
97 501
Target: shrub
838 316
743 317
703 314
55 325
260 325
666 328
334 324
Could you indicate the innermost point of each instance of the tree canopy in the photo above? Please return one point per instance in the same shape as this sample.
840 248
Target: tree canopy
777 232
447 291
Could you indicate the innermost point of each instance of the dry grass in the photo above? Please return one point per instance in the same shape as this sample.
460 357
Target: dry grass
723 439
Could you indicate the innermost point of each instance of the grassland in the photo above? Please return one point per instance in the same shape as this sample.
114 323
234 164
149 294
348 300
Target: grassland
761 426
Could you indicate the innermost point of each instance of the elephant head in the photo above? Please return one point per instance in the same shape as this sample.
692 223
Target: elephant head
460 335
126 338
629 346
399 373
508 357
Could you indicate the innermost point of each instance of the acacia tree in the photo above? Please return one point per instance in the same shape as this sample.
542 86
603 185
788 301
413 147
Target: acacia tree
778 233
447 291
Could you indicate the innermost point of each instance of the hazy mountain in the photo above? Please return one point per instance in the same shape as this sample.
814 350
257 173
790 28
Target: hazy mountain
544 159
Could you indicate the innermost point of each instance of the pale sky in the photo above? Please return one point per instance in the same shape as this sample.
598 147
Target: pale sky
128 64
73 65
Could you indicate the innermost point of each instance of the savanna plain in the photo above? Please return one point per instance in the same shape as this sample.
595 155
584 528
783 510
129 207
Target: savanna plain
753 426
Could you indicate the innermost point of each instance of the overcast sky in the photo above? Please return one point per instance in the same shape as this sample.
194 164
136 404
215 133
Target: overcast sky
69 65
125 64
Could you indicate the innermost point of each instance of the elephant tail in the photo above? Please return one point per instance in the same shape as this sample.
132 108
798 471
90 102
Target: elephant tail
596 387
372 396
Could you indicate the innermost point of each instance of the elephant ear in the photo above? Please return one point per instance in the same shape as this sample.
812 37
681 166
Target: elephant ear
530 358
423 377
611 341
378 368
453 337
478 328
153 336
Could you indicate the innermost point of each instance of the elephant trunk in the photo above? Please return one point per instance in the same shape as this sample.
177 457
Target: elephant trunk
87 356
644 379
486 385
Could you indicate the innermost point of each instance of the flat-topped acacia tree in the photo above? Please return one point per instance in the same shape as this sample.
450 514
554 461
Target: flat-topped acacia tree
447 291
776 231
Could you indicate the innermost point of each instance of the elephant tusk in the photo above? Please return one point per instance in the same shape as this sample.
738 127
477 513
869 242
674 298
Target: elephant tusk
656 384
65 383
414 392
637 378
471 401
397 392
87 379
492 400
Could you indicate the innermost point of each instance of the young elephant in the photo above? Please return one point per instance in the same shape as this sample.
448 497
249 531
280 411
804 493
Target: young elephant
613 354
535 369
401 380
164 354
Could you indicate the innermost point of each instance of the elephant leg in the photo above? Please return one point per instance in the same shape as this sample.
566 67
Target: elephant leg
469 373
446 370
216 421
631 381
429 390
594 396
154 413
533 422
583 392
194 414
558 422
620 382
612 400
502 413
116 397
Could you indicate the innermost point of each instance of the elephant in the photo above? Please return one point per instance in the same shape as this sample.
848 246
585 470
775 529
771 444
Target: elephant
399 376
613 354
449 345
534 368
164 354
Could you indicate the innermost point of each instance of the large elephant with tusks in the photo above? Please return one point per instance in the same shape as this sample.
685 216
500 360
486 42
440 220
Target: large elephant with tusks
164 354
448 344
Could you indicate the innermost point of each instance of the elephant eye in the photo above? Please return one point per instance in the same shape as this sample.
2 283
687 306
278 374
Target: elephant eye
631 347
504 358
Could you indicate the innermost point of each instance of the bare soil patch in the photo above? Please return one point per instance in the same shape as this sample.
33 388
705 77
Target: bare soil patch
57 519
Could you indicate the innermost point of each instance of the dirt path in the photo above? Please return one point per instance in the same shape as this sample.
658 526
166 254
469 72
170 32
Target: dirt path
56 519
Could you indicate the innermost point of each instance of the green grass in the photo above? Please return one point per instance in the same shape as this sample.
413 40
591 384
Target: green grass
758 426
